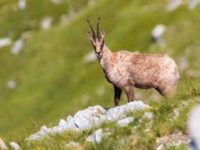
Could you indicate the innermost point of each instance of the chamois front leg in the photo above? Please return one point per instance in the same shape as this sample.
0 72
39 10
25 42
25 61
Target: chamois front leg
129 90
117 95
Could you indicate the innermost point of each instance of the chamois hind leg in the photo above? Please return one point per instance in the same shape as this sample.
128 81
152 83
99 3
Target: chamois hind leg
160 91
117 95
167 91
129 90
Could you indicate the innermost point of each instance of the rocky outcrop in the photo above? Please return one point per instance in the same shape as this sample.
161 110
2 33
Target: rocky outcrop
91 117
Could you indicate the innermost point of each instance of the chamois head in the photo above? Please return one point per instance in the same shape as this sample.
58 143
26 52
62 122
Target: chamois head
97 39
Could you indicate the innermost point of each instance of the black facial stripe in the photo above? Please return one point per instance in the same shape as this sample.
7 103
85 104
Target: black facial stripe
101 46
94 47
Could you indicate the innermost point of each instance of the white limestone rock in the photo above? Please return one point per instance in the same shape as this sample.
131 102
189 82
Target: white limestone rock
17 47
120 112
96 136
148 116
194 128
57 2
90 117
64 125
160 147
124 122
14 146
157 32
183 63
46 23
3 145
73 144
193 4
173 5
5 42
21 4
43 132
11 84
91 2
70 123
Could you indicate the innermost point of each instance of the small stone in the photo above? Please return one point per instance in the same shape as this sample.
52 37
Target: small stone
46 23
124 122
57 2
160 147
158 32
183 63
173 4
3 145
96 136
22 4
14 146
17 47
176 112
193 3
148 115
5 42
11 84
72 144
91 2
194 126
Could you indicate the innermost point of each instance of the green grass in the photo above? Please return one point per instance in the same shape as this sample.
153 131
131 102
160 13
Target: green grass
53 81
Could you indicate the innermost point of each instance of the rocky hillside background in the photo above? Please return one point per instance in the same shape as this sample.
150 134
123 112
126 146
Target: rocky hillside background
48 70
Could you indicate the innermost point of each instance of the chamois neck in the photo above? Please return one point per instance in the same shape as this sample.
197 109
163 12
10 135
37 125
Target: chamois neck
106 57
106 51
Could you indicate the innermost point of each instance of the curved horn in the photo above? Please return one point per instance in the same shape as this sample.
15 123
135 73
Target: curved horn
98 32
93 33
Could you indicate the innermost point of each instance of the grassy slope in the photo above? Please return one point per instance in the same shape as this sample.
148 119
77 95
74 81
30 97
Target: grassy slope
52 77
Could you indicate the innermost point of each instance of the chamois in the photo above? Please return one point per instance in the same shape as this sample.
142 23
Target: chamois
126 70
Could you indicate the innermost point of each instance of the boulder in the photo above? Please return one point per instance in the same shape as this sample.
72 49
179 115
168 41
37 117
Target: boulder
90 117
